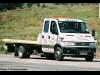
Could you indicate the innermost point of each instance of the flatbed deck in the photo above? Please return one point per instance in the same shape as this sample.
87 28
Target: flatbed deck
19 41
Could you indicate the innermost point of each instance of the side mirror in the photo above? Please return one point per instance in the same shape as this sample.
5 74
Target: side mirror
93 33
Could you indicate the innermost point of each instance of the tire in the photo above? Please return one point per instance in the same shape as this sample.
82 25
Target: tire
16 51
89 58
58 54
22 52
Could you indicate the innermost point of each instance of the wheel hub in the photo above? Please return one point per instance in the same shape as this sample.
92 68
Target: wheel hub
20 52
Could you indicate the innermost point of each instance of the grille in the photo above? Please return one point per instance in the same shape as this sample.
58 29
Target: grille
82 44
75 50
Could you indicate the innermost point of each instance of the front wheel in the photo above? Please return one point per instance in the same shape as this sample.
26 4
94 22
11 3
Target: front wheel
58 53
89 58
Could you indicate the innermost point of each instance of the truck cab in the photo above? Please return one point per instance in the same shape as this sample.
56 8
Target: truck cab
67 37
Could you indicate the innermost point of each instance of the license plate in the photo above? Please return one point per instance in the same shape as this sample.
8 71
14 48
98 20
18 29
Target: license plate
83 53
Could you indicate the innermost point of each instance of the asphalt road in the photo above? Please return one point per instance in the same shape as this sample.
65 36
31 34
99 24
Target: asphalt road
36 63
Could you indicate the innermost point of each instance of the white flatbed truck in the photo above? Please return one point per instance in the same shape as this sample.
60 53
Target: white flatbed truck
60 37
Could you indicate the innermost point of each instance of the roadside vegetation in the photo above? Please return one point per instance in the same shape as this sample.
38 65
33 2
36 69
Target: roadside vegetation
3 48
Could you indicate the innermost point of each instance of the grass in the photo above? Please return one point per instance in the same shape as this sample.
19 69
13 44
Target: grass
26 23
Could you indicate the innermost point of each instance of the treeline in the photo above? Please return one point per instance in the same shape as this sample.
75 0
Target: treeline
8 6
4 6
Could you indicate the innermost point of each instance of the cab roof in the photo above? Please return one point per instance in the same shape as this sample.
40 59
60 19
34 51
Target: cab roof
65 19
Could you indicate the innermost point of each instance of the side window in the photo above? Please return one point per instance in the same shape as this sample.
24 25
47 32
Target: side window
46 26
53 28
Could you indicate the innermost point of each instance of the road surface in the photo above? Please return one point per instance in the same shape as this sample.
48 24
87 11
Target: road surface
36 63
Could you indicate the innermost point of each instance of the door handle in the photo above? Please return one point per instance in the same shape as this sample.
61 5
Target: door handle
48 37
42 36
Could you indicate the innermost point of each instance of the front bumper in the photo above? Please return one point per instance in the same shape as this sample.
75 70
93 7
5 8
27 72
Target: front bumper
79 51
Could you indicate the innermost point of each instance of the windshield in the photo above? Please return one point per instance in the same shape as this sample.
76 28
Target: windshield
73 27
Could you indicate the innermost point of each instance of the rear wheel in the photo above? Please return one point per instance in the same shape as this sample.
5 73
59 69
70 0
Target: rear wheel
16 51
58 54
23 52
89 58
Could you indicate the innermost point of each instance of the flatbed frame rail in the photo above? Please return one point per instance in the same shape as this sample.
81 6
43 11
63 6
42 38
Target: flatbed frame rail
11 43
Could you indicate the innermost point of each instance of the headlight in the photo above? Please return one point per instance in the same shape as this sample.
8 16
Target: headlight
70 43
67 44
92 44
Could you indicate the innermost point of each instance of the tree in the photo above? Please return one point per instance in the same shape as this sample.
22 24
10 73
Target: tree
29 5
44 6
8 6
20 5
38 4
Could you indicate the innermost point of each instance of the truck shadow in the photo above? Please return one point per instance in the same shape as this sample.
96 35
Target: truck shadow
79 60
72 59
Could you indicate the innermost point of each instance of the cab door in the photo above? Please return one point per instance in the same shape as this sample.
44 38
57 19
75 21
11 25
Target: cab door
52 36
